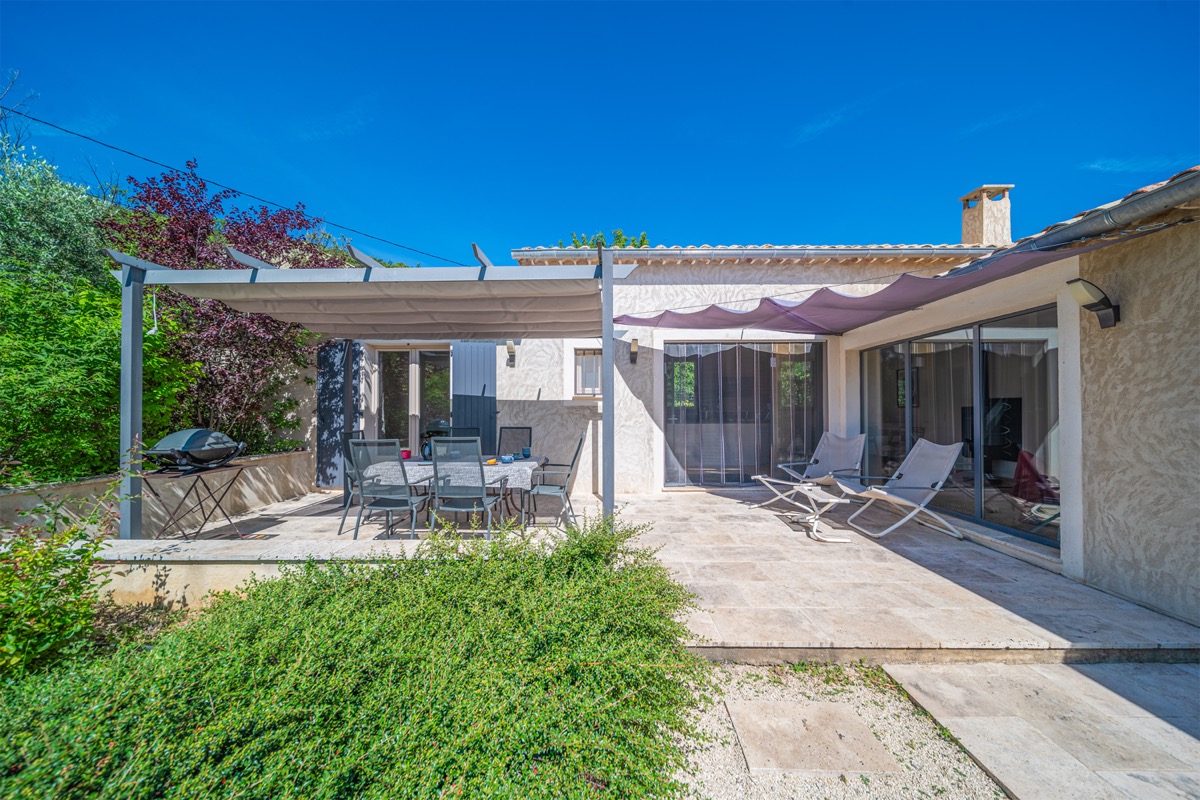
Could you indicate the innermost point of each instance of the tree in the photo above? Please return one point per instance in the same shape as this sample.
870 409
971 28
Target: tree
599 240
248 359
48 225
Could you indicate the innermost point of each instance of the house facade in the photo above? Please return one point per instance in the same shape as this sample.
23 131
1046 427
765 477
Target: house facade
1075 437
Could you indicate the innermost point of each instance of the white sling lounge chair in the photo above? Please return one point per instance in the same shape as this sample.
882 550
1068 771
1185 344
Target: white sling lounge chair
916 482
833 454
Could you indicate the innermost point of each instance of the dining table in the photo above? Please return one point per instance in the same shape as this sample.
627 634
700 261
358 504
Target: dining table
519 473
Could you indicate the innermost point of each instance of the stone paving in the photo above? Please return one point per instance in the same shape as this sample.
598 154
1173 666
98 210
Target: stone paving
1058 731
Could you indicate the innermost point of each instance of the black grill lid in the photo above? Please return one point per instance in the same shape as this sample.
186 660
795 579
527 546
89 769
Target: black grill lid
195 447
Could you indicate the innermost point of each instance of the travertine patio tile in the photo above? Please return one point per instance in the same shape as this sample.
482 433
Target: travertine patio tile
973 628
946 691
1079 628
686 552
720 593
680 570
863 627
761 627
815 736
776 594
1130 690
1179 736
1156 785
1030 765
728 571
701 624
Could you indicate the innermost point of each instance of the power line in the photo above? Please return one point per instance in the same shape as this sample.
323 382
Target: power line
230 188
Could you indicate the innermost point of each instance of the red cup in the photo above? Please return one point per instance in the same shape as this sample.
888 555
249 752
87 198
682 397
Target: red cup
406 454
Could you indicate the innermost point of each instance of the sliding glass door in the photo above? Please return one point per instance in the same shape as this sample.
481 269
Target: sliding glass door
734 410
932 387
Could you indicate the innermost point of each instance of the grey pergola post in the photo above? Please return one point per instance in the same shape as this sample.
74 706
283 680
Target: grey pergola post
607 385
132 291
348 414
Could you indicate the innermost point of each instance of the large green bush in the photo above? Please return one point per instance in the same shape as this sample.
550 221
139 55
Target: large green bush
60 368
492 669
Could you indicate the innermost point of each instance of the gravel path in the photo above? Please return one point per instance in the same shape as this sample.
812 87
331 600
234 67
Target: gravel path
930 764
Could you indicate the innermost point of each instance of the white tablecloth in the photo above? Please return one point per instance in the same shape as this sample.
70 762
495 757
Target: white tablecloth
519 473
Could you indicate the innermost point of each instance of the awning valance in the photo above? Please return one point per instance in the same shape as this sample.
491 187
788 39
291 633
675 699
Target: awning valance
828 312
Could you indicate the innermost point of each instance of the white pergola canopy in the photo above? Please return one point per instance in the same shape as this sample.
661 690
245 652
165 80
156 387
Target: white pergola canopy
401 303
380 303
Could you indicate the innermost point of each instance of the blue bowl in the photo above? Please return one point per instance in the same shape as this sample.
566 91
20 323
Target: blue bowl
505 459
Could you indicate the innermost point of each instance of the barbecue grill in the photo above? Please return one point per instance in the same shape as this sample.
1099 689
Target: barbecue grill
194 450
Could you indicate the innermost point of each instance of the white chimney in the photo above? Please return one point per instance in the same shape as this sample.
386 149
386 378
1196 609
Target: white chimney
986 215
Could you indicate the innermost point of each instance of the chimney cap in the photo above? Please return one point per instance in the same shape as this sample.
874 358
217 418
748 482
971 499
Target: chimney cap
989 190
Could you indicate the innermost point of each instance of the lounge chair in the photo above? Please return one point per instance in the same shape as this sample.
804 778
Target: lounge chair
916 481
804 493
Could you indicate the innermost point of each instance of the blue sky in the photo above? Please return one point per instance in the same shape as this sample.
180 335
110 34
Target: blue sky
436 124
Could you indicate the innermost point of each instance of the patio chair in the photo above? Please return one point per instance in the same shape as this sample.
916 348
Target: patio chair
513 439
383 480
351 475
459 485
916 482
833 453
562 491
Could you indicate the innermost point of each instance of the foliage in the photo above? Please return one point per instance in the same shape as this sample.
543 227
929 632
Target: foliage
599 240
48 585
478 669
47 225
248 359
60 364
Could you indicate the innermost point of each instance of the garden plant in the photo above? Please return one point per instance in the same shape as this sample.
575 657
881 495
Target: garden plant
504 668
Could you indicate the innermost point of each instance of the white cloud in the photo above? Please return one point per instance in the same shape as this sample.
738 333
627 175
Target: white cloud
1136 164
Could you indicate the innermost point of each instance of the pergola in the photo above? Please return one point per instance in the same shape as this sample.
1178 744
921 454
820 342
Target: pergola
377 302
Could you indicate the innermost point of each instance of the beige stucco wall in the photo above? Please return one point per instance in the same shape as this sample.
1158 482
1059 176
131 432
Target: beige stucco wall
266 480
537 391
1141 423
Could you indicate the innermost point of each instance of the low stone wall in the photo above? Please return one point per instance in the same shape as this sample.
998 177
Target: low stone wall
266 480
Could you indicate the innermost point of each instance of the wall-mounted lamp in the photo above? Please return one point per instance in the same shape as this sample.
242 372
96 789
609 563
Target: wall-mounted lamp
633 352
512 353
1093 299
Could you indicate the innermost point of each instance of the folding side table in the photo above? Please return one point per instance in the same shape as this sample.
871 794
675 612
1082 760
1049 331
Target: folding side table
198 494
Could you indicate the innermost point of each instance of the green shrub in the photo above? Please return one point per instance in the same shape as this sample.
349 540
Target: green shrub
479 669
49 585
60 367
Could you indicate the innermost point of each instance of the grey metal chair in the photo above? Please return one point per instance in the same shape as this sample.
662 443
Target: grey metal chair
383 480
513 439
562 491
351 486
459 485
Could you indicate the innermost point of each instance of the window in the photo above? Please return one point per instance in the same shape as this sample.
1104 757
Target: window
587 373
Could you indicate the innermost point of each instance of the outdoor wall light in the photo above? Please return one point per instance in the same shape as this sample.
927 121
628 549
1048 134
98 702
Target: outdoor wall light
1093 299
511 347
633 347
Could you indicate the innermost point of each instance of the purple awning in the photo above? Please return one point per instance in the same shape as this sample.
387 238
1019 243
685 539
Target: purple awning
829 312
